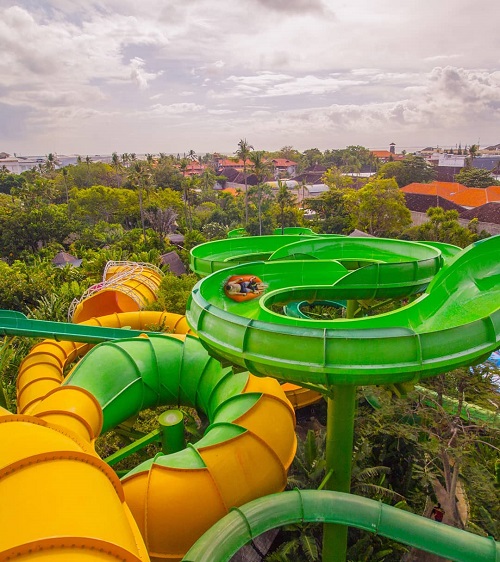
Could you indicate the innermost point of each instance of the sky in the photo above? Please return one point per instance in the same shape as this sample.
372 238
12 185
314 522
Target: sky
93 77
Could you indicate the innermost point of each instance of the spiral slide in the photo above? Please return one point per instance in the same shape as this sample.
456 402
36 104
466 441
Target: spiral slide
455 322
69 503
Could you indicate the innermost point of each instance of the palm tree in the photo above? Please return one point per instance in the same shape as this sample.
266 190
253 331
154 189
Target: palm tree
50 162
115 161
140 178
65 180
473 152
284 199
261 169
88 161
244 151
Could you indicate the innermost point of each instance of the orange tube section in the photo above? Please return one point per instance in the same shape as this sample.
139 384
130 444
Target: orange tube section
126 287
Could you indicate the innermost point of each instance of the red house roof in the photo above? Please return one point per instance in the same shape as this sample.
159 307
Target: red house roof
283 162
456 192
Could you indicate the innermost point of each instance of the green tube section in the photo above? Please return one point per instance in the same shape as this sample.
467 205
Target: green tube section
455 322
242 525
154 371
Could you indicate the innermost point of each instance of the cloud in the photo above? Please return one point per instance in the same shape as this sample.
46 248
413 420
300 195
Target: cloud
174 109
138 74
293 6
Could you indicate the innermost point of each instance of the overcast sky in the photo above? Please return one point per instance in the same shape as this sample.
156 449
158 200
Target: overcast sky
87 77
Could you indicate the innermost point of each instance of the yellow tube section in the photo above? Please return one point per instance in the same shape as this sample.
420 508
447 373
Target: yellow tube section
70 504
299 396
126 287
42 370
173 506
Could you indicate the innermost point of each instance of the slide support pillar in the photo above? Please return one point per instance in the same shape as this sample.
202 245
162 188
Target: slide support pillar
339 446
172 431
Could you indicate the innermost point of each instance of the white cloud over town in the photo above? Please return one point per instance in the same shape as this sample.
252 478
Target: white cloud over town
83 77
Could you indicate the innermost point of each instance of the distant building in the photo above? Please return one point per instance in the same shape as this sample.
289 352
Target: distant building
63 258
284 167
174 262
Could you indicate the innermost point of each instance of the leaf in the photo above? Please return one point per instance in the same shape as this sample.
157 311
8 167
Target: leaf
309 547
310 449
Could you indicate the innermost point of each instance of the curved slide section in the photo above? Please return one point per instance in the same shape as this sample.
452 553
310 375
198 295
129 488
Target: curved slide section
207 258
175 498
42 370
125 287
455 322
242 525
70 504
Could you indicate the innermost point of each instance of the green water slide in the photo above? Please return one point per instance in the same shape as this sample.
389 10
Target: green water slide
244 524
454 322
176 497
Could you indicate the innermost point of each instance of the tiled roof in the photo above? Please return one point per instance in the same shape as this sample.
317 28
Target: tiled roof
63 258
485 213
176 266
441 188
420 202
230 163
477 196
456 192
382 153
283 162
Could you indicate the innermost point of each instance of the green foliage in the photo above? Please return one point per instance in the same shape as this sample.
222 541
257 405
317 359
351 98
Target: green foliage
379 208
22 286
174 293
475 177
334 179
6 353
10 182
27 229
104 204
285 202
411 169
350 159
333 215
214 231
86 174
443 226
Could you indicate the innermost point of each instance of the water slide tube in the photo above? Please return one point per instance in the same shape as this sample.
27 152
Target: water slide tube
242 525
43 368
125 287
455 322
239 457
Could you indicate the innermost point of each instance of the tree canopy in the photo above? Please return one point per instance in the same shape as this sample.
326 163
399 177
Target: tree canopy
475 177
411 169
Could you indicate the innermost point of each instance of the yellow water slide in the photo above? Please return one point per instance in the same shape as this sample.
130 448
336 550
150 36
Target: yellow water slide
60 501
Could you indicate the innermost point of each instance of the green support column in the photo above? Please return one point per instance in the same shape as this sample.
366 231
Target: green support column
339 445
172 431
